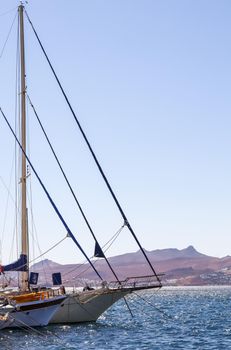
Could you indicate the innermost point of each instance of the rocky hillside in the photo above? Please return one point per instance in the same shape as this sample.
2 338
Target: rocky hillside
180 267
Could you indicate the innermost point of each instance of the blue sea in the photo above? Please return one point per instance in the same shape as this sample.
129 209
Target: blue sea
171 318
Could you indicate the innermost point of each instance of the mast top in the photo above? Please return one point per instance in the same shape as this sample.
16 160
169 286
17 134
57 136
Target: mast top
22 3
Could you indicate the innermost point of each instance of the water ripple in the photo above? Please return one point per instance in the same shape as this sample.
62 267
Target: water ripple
174 318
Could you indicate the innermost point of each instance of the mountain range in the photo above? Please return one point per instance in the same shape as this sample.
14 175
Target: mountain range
179 267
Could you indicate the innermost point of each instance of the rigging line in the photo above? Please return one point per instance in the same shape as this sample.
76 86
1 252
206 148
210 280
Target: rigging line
128 307
30 227
69 185
33 231
7 280
43 255
79 266
49 197
34 319
114 237
5 13
140 303
153 306
47 251
33 228
94 156
25 326
6 208
75 268
8 35
9 196
88 267
34 237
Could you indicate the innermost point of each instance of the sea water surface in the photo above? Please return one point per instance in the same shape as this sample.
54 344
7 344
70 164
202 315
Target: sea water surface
172 318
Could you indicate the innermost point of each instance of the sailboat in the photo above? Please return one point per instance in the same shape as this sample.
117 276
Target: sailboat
23 307
78 306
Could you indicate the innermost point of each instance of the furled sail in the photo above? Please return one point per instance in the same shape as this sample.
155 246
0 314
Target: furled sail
19 265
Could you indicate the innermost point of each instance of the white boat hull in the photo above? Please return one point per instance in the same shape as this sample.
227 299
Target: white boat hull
34 314
87 306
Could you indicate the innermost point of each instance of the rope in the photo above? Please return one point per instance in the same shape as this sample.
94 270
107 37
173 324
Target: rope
163 313
8 35
114 237
82 272
47 251
154 306
9 196
25 327
49 197
34 236
128 307
23 324
6 211
93 154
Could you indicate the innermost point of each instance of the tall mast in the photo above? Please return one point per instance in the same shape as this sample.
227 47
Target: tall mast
24 231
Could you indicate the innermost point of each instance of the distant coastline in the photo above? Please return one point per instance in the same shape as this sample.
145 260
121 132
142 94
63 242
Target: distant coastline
186 267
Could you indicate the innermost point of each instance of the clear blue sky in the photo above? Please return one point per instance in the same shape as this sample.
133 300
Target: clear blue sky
150 82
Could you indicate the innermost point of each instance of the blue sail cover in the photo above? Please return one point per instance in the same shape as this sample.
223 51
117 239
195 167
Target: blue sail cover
19 265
